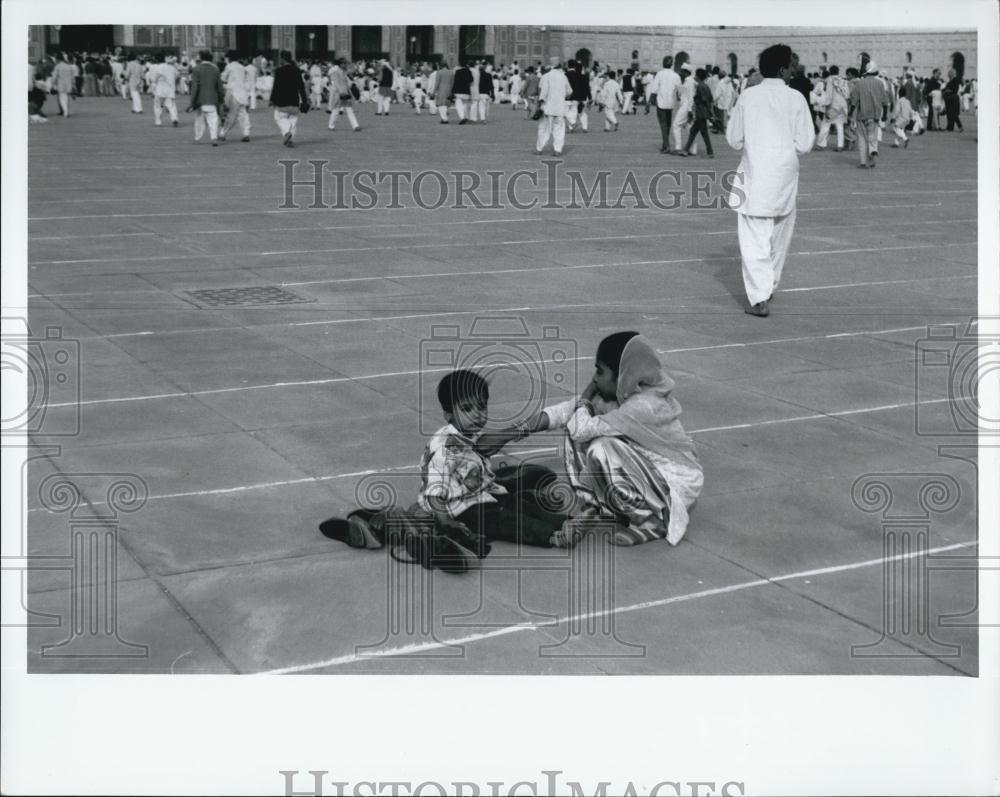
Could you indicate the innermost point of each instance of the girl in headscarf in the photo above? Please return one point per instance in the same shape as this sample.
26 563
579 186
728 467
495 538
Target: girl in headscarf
627 454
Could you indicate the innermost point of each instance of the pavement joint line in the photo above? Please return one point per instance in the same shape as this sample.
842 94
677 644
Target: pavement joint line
632 211
325 228
283 196
421 647
390 374
408 467
282 253
879 282
480 272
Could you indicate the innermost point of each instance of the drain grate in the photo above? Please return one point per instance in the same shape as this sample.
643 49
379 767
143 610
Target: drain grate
255 296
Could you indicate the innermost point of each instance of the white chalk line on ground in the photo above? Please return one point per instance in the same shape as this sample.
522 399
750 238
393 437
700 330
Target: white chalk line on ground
436 644
540 189
392 374
410 467
629 210
473 273
437 245
426 226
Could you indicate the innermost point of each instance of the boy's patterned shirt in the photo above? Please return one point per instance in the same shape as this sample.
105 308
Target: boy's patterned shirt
454 476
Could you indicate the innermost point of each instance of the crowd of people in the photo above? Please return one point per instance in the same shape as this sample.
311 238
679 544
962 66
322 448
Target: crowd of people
689 102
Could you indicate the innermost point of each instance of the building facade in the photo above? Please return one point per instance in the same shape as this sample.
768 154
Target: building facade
734 49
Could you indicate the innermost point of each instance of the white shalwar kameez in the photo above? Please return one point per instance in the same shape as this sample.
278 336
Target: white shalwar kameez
771 124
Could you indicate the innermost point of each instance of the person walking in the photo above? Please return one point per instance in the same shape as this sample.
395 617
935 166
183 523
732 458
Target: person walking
234 79
703 104
952 101
868 105
463 92
288 97
341 98
553 92
62 83
163 81
772 126
665 86
133 76
442 90
206 97
576 110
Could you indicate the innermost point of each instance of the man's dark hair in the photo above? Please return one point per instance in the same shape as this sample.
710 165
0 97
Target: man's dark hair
834 70
286 55
205 55
232 55
701 74
774 58
609 350
668 61
462 385
571 64
852 71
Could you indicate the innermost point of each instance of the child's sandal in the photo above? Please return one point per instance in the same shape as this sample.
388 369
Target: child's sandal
360 533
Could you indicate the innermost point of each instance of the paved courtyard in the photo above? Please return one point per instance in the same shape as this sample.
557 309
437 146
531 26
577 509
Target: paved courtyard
248 426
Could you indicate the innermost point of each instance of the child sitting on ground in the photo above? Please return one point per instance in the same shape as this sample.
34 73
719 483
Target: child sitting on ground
462 505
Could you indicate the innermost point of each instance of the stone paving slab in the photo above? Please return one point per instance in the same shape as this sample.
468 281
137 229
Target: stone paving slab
224 568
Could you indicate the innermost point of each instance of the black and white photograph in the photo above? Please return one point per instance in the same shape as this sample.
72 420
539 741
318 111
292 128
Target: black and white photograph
652 398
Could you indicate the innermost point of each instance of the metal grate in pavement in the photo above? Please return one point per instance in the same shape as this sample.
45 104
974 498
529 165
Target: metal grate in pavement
254 296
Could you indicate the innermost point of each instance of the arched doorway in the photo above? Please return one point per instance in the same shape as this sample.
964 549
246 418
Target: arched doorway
366 43
584 57
86 38
733 63
958 64
311 42
471 42
253 40
419 42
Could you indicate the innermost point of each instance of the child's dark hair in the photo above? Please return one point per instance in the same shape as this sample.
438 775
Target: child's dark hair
609 350
462 385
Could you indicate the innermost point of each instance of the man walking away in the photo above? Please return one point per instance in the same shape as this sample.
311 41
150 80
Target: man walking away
772 126
234 78
287 97
665 87
163 80
553 92
868 105
206 96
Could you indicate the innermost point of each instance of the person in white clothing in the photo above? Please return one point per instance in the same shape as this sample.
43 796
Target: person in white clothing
724 96
251 83
684 108
163 81
772 126
834 105
515 90
553 91
341 98
613 100
234 78
664 87
134 74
